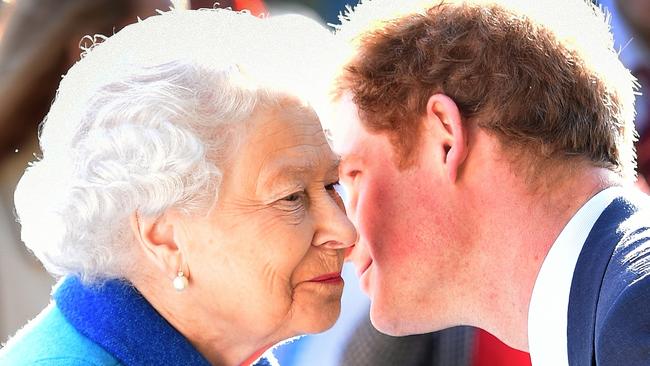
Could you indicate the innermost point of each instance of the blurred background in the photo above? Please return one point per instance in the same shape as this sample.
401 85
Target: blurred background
41 39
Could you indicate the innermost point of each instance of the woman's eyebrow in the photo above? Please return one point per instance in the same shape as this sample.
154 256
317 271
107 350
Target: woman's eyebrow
281 171
288 169
335 163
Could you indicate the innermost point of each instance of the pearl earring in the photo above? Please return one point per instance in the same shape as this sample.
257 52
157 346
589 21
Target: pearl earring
180 282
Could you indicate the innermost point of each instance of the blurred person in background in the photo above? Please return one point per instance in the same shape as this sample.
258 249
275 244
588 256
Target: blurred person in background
40 40
255 7
186 196
5 10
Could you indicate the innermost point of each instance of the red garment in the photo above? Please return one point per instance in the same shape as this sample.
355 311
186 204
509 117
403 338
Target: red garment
256 7
489 351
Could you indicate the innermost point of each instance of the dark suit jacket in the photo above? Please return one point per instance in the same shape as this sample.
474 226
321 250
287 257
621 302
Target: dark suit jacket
609 303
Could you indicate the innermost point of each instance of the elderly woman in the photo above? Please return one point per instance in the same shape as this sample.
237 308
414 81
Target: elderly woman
186 195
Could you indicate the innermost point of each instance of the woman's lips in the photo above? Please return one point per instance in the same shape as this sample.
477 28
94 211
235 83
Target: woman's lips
329 278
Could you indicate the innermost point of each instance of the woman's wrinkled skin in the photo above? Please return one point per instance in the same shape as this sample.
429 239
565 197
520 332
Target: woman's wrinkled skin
277 225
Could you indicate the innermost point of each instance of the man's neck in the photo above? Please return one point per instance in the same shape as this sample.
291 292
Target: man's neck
522 227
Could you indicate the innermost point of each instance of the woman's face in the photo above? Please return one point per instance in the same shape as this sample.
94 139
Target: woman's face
266 260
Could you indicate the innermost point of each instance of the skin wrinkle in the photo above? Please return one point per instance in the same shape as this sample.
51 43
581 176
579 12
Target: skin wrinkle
307 165
257 251
271 271
293 187
333 257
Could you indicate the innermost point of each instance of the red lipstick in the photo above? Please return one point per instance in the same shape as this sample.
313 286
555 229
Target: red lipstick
329 278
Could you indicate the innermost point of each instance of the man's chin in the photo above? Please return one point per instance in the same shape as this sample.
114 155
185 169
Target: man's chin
399 322
388 323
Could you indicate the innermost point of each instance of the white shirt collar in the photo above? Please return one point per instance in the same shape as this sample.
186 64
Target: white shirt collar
547 313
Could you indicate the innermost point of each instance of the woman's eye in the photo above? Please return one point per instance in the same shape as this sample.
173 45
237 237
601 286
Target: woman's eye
293 205
293 197
333 186
337 189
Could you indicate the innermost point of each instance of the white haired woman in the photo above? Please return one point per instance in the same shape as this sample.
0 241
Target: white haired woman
186 196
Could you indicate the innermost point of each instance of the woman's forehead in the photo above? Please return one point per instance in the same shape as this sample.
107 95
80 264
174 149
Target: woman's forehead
286 142
283 127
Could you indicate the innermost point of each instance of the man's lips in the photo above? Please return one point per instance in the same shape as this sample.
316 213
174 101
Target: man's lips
363 267
334 277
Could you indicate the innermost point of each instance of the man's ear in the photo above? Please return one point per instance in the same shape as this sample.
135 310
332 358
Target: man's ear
443 117
157 239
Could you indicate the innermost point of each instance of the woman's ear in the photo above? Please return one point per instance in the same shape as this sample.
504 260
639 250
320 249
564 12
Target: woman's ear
443 116
157 240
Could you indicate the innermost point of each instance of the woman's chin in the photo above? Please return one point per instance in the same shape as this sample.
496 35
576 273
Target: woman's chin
321 319
313 310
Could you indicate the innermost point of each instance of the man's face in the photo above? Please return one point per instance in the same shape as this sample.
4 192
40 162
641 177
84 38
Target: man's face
404 254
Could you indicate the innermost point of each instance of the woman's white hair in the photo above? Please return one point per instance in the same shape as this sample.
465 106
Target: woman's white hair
144 122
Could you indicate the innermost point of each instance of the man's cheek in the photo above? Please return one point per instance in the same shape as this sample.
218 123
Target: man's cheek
349 197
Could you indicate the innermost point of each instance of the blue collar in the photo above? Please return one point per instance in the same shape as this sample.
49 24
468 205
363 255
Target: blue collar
118 318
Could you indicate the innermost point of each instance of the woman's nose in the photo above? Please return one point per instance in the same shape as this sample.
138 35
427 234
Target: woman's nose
334 229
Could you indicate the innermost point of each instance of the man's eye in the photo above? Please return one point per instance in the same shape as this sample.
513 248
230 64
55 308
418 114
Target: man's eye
352 174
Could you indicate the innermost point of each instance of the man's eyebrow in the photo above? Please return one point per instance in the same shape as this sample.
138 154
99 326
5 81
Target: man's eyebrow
348 158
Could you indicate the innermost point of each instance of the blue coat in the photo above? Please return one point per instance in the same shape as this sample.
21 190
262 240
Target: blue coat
609 303
111 324
51 340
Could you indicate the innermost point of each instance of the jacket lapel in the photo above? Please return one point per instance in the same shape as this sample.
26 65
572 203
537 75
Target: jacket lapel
588 278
